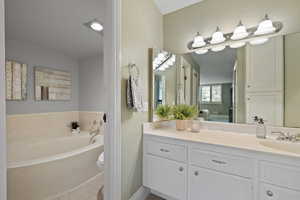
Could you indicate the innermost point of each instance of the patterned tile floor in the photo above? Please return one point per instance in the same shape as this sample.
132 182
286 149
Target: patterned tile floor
153 197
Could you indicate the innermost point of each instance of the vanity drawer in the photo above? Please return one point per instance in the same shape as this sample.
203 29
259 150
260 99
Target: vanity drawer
270 192
282 175
226 163
170 151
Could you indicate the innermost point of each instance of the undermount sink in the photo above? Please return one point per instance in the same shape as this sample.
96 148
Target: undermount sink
282 146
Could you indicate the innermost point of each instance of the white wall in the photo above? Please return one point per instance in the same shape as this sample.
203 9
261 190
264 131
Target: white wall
142 28
91 84
37 56
2 107
181 26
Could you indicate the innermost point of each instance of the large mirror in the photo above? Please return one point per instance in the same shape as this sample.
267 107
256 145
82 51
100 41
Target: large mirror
233 85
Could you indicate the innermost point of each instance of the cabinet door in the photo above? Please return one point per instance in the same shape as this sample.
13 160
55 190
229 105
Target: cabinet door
165 176
270 192
211 185
269 106
264 70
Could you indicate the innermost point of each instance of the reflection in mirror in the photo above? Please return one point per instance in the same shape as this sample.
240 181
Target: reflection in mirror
236 84
174 81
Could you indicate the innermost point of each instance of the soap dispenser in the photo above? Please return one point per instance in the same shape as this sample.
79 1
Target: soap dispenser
261 130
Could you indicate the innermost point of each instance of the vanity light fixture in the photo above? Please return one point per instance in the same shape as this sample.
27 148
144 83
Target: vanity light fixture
218 48
198 41
241 35
236 45
201 51
259 41
240 32
217 37
170 62
265 27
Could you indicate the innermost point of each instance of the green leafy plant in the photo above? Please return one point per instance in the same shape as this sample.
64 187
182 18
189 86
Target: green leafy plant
164 112
184 112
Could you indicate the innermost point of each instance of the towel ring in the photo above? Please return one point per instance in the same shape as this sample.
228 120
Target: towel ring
132 66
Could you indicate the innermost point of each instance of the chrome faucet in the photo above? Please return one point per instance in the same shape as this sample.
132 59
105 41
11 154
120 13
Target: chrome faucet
94 132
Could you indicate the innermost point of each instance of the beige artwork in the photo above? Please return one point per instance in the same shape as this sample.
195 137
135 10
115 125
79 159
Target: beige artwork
52 84
16 80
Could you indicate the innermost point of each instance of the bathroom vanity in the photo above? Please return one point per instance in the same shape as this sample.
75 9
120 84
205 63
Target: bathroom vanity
219 165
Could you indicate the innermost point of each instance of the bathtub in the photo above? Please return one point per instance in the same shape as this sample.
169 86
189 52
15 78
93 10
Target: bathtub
42 168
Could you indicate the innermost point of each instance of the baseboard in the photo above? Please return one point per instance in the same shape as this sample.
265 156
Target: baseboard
141 194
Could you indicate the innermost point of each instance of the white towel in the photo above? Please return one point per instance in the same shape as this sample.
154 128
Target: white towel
100 161
137 96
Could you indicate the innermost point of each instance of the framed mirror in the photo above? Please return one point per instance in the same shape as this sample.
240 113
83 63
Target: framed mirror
52 84
235 84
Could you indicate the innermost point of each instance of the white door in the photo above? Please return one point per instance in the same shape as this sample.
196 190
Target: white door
265 66
269 106
206 184
165 176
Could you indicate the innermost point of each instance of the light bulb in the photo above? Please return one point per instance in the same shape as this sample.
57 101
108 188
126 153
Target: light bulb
265 27
259 41
237 45
218 48
173 58
170 62
198 41
201 51
240 32
217 37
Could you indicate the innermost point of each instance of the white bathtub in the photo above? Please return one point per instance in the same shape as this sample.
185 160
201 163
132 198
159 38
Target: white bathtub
41 168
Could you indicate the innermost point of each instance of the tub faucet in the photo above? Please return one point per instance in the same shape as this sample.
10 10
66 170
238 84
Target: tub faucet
93 134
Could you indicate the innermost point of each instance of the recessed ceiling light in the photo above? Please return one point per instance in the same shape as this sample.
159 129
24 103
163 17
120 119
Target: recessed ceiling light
96 26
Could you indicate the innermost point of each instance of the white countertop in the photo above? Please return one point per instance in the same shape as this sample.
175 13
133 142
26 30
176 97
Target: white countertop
217 137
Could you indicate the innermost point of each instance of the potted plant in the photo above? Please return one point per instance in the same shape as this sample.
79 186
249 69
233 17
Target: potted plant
182 113
163 112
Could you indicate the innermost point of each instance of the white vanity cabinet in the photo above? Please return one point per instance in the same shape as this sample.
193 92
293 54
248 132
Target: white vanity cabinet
165 168
166 176
187 170
205 184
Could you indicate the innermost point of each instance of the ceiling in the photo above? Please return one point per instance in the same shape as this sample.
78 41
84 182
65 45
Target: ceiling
216 67
168 6
56 24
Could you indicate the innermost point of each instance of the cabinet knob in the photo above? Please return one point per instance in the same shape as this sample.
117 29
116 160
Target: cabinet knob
181 169
196 173
164 150
270 193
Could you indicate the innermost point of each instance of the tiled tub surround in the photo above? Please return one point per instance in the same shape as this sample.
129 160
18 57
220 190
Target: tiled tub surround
66 171
54 124
46 161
